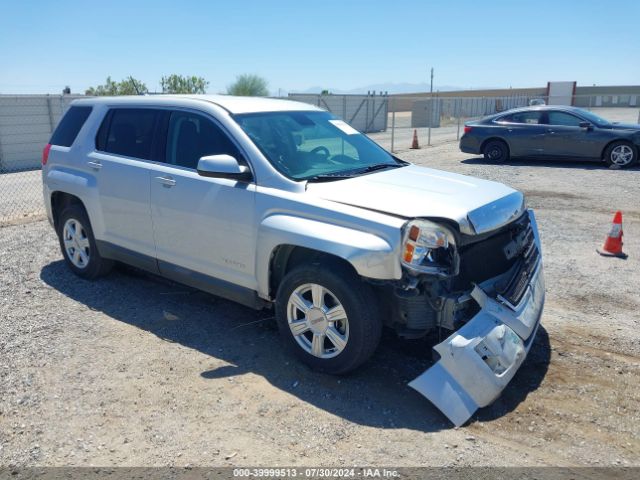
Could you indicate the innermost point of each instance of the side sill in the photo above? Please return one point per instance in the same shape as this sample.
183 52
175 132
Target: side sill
215 286
124 255
206 283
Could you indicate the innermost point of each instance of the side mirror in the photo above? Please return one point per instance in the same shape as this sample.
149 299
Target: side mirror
586 125
223 166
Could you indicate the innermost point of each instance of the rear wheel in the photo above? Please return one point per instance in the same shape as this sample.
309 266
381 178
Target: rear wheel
78 244
328 317
496 151
621 154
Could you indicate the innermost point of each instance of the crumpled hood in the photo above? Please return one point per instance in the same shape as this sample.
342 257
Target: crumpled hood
418 192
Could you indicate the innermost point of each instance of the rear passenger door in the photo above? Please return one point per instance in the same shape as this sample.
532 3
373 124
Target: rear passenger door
524 132
121 163
202 225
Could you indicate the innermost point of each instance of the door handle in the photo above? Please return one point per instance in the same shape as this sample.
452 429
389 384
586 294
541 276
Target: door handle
95 165
550 130
166 181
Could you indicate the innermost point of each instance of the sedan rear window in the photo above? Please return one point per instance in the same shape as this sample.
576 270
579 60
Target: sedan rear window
522 117
68 128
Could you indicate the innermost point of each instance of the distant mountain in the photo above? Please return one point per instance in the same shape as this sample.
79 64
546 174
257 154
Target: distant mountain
384 87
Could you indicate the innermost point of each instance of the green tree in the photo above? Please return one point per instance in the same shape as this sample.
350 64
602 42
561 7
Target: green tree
182 84
128 86
249 85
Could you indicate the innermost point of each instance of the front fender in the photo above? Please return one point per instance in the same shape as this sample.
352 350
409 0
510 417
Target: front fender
370 255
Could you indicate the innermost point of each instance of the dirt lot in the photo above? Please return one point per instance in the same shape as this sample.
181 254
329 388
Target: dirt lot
132 370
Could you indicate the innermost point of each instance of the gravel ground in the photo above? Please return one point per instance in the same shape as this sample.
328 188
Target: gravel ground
132 370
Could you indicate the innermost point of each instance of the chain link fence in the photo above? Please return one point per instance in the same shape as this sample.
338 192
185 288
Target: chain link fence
27 122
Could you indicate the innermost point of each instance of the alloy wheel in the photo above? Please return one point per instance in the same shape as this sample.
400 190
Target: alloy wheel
622 155
317 321
76 243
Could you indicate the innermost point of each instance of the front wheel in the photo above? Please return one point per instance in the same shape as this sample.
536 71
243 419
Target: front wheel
621 154
328 317
496 151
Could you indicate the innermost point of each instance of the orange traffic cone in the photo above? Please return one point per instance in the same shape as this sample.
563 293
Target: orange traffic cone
414 144
613 243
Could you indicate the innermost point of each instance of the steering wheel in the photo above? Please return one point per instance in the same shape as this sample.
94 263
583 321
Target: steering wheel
321 150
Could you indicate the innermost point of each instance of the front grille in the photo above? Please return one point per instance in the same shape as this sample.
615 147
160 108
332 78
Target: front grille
525 266
511 249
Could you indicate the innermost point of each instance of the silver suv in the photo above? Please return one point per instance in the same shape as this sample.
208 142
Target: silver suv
273 203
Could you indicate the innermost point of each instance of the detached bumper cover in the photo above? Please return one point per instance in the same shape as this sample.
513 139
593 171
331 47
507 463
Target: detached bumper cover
480 359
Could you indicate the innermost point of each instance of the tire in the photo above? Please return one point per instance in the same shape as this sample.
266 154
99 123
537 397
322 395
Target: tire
622 154
358 330
496 151
78 244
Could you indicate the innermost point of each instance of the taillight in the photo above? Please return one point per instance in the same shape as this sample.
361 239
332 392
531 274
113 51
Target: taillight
467 129
45 153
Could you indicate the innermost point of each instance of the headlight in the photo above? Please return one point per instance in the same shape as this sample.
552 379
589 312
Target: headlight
429 248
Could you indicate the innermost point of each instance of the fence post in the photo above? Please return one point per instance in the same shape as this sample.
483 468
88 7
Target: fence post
1 157
430 120
458 101
393 123
50 112
344 108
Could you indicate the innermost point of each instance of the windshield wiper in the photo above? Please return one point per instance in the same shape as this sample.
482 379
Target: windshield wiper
380 166
330 177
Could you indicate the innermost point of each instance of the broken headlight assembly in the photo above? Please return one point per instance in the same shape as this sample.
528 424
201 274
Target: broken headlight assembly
429 248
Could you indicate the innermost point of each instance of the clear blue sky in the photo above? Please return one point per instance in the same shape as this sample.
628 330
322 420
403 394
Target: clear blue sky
334 44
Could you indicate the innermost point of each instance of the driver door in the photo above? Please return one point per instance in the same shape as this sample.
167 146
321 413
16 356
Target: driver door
204 227
565 137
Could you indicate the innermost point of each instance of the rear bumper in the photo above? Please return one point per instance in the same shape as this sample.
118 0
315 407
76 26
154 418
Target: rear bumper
469 144
480 359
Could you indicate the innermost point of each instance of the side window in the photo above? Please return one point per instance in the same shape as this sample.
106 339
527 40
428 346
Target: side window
562 118
129 132
70 125
532 118
191 136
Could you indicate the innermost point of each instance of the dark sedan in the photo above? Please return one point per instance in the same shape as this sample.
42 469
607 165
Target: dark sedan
552 131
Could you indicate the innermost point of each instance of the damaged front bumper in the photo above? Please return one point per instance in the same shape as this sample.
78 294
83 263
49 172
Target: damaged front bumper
479 360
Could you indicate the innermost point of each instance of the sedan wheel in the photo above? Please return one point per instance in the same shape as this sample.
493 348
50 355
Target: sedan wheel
496 151
621 155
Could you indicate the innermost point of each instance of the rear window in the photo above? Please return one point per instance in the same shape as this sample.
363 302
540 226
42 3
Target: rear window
68 128
522 117
128 132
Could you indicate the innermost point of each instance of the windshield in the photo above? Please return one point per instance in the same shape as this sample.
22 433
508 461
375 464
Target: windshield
593 118
313 145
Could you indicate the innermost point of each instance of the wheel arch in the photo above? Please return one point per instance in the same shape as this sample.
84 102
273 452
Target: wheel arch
61 200
284 240
286 257
494 138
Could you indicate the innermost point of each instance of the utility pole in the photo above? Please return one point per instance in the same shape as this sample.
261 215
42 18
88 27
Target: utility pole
431 90
430 108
